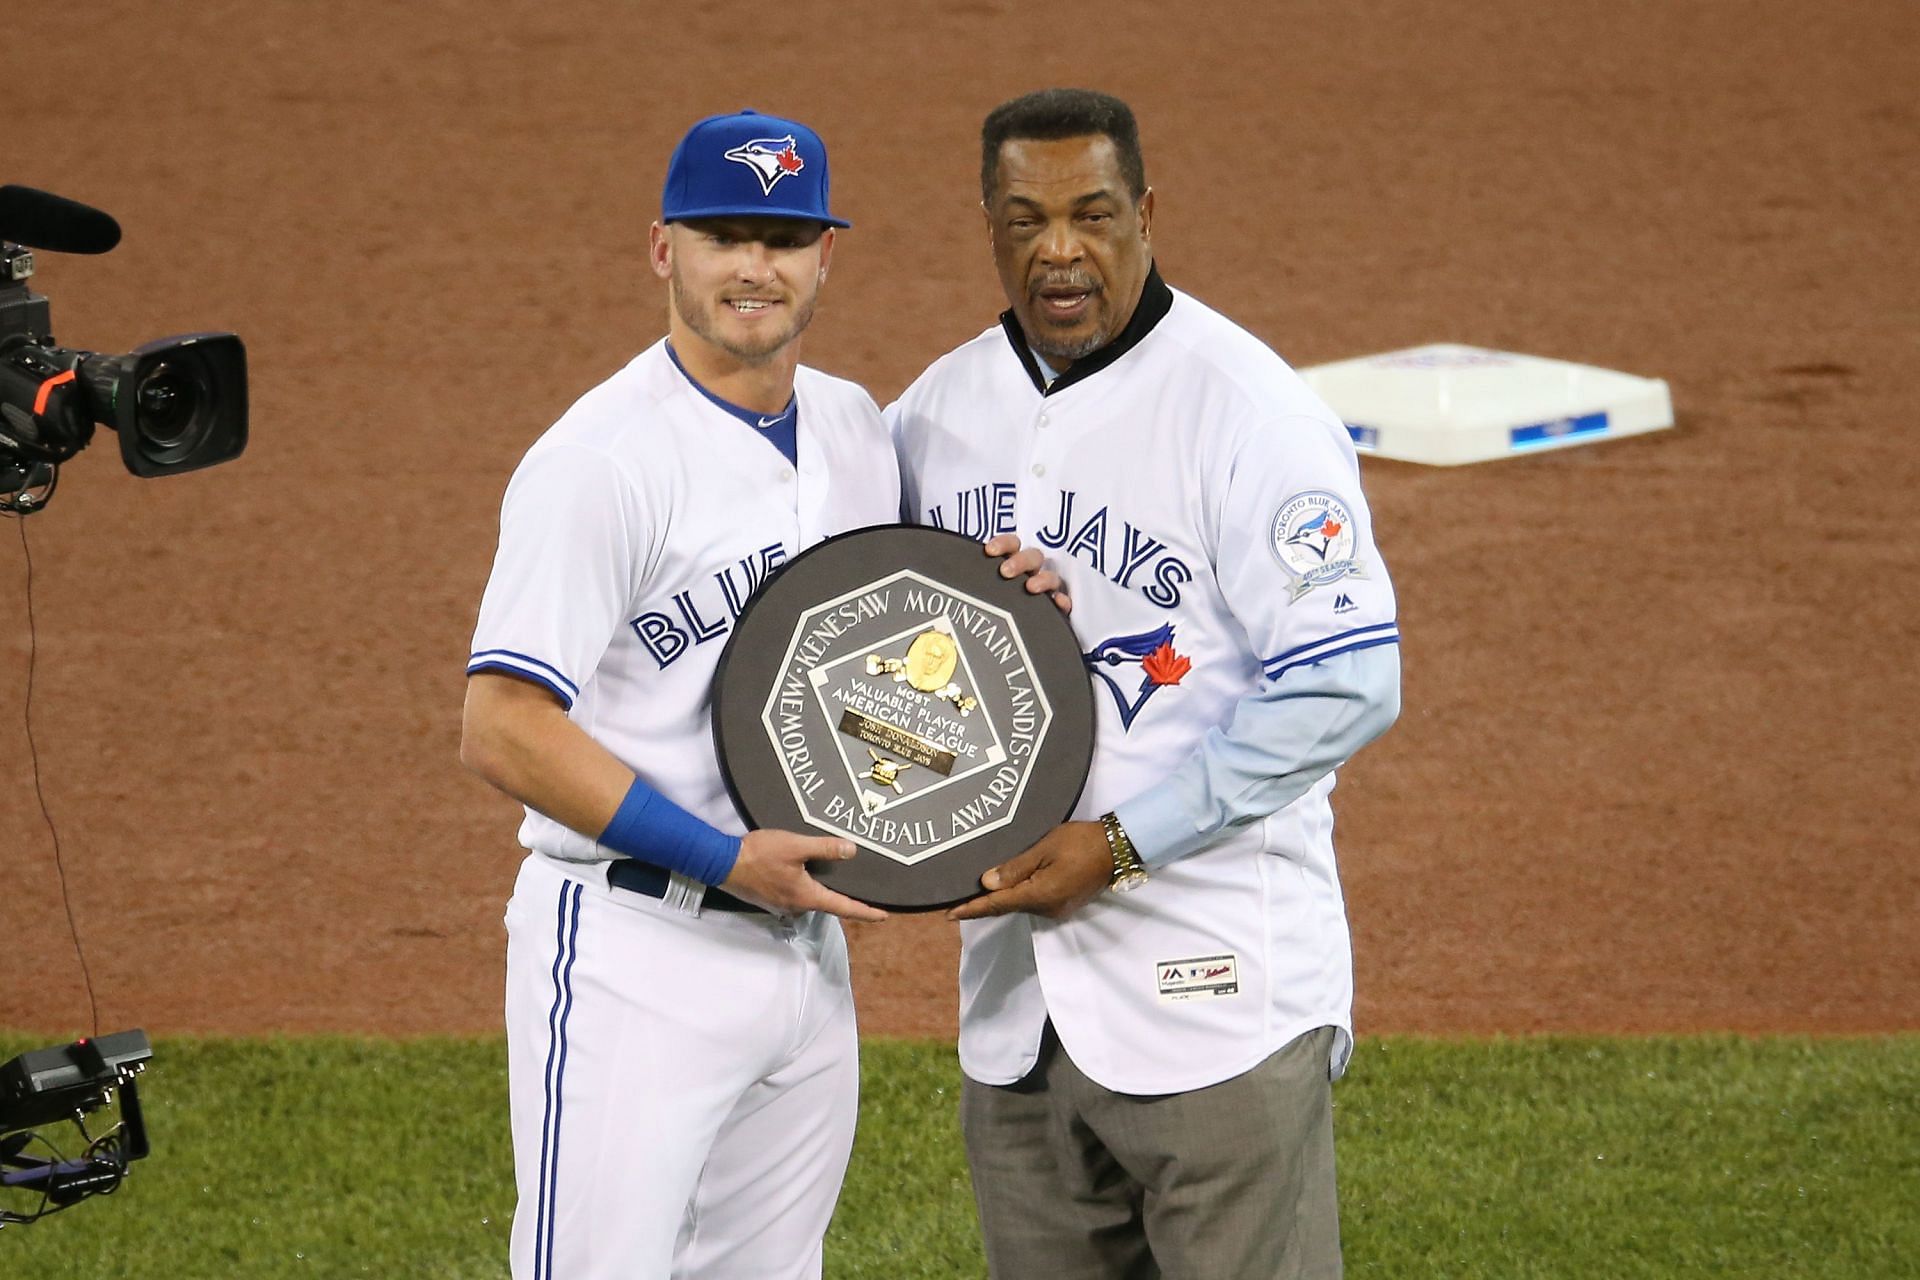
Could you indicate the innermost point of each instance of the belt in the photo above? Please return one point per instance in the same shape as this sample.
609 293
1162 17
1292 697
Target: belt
644 877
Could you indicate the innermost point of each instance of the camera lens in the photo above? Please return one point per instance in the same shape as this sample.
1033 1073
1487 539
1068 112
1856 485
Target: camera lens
178 404
173 402
165 406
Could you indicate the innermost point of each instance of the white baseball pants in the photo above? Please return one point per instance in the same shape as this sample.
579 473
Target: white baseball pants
683 1086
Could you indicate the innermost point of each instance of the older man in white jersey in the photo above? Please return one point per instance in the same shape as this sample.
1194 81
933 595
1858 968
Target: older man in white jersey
1155 998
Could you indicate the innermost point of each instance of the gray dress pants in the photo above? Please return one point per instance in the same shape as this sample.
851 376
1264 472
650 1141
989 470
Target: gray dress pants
1231 1182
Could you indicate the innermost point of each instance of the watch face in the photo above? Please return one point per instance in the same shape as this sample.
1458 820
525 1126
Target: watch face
1129 880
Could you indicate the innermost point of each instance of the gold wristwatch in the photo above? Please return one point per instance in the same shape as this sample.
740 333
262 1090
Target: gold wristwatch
1128 871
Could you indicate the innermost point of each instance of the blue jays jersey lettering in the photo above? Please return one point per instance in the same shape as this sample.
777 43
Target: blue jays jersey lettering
705 609
1203 508
1134 551
1128 555
983 511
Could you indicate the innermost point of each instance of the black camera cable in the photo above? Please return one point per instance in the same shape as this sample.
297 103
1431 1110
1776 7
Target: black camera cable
33 754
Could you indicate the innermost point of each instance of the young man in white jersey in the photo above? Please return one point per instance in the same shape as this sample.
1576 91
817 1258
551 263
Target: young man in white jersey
681 1045
1156 996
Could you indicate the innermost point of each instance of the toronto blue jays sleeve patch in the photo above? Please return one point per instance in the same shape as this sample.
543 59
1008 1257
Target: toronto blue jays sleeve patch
1312 536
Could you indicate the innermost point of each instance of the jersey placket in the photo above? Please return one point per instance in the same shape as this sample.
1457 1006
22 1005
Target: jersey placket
1035 494
806 484
1057 431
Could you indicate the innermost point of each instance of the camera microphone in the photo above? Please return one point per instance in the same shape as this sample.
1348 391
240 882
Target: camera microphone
42 220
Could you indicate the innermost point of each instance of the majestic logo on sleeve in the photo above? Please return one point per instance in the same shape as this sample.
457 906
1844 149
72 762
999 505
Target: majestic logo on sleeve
1152 652
771 159
1312 538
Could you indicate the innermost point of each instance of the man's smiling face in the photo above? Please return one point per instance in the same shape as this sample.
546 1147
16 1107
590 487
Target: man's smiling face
748 286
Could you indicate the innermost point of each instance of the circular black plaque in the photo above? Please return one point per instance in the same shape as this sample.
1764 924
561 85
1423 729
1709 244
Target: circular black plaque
889 686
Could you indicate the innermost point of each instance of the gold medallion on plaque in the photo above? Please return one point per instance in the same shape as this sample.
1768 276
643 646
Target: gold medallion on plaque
930 660
928 667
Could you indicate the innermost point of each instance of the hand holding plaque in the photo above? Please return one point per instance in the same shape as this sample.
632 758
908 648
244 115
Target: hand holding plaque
891 687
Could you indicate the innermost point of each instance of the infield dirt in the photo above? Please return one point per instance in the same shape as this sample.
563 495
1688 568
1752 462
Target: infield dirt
1656 769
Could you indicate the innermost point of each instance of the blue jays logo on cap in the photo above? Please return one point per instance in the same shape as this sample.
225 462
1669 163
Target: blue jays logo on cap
748 165
771 159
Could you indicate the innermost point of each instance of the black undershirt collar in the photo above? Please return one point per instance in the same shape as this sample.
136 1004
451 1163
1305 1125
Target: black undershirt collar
1156 299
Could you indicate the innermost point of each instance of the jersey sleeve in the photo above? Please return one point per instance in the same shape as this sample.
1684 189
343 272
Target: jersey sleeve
1283 738
1295 554
1299 571
573 544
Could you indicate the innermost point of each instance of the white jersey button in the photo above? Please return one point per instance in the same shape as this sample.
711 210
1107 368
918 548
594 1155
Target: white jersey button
1042 422
1039 468
786 473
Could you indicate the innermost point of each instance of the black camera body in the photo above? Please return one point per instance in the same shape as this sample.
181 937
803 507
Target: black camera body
177 404
66 1084
51 1084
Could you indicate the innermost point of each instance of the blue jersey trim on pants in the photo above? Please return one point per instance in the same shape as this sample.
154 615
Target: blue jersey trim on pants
566 939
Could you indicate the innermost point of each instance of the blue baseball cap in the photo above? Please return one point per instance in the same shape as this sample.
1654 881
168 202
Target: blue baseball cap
748 165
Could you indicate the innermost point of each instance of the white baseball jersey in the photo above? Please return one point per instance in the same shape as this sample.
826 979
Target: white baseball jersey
632 535
1204 509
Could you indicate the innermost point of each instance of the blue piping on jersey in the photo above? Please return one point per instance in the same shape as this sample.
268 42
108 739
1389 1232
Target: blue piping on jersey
1336 639
1372 643
551 670
782 432
489 660
566 701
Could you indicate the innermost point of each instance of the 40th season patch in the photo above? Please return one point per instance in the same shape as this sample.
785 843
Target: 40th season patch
1312 538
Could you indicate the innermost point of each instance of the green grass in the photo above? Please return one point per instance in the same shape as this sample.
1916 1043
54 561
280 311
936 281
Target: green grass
1526 1158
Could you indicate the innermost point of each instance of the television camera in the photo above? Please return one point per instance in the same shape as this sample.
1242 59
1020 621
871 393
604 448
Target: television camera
177 404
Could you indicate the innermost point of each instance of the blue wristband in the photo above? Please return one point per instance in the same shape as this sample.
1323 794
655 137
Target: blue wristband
652 828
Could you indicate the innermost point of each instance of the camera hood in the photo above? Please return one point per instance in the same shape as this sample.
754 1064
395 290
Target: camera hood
178 404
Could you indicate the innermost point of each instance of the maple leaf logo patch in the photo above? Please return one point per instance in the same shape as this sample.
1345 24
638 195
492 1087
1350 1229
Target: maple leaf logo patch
1166 665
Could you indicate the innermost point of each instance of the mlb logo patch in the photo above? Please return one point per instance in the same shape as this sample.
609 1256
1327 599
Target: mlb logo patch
1200 978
